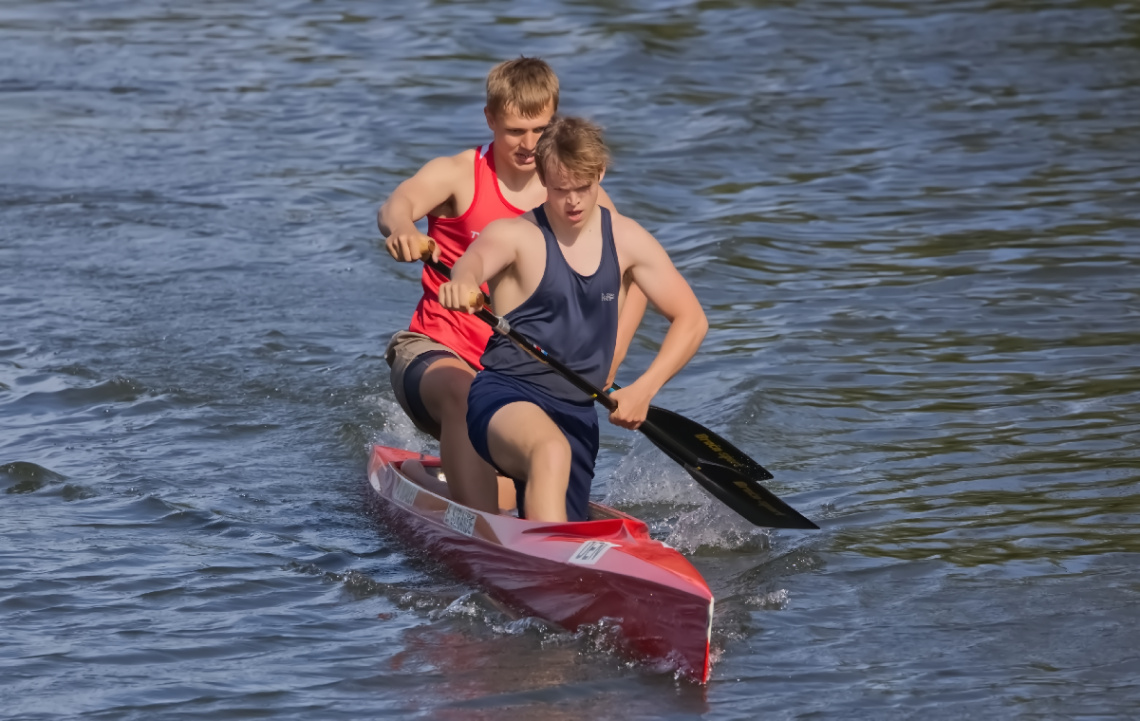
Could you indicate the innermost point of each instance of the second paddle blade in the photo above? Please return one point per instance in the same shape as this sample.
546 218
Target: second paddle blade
748 498
706 457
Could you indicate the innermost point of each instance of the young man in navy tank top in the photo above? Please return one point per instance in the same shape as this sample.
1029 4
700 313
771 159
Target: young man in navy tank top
559 274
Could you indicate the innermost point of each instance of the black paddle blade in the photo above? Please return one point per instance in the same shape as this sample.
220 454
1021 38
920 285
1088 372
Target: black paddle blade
748 498
706 445
742 493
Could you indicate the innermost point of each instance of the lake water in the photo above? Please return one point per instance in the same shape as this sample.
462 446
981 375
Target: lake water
913 226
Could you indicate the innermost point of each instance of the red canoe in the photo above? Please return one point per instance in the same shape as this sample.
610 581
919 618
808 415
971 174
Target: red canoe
570 574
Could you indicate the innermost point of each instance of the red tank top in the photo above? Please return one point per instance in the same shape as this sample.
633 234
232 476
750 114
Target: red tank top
463 333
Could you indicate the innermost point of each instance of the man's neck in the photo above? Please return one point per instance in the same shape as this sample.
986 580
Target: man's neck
512 178
565 233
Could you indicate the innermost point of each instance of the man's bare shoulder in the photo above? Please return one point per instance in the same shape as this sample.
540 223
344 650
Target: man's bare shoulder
520 226
627 230
460 163
467 157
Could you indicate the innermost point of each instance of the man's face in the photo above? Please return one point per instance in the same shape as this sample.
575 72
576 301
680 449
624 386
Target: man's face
571 198
516 136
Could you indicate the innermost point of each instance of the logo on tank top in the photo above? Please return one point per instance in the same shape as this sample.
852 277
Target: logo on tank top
607 296
474 234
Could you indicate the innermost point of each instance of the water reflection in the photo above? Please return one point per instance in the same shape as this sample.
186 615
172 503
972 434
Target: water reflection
529 669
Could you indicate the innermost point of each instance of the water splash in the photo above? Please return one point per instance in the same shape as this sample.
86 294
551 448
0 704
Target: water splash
396 429
772 601
714 526
655 489
645 476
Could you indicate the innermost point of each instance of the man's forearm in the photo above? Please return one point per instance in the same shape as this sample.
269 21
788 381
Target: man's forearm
395 216
468 269
678 348
632 311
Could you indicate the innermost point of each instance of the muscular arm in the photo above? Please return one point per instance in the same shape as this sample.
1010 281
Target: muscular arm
671 295
632 311
432 187
493 251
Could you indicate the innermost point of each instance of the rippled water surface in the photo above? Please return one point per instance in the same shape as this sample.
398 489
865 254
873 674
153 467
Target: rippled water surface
913 225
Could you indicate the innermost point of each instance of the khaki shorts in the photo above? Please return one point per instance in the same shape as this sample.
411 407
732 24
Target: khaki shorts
409 355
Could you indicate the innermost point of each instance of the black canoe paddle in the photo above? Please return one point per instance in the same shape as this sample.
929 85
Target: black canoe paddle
720 467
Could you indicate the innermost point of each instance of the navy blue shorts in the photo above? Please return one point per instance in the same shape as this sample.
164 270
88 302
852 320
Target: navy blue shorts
490 391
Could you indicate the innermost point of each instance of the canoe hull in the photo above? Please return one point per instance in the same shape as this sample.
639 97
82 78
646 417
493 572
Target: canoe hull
607 571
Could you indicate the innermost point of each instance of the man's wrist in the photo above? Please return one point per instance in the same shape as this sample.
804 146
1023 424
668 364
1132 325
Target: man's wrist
404 229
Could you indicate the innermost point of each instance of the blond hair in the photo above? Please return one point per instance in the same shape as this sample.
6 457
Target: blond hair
576 145
526 85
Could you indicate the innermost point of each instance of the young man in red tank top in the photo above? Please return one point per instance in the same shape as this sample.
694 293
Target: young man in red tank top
435 360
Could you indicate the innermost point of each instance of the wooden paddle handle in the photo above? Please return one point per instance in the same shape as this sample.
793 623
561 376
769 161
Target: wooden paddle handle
426 250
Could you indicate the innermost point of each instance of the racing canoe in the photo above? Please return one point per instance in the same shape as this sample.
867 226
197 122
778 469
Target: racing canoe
604 570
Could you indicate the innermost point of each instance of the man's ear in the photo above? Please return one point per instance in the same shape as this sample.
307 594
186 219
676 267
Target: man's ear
602 176
489 117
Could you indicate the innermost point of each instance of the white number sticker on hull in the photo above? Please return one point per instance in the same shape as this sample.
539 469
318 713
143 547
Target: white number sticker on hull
460 519
405 492
590 551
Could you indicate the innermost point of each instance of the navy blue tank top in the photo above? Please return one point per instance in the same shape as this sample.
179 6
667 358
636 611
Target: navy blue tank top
573 317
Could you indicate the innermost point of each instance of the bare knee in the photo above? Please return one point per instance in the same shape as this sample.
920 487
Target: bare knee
454 399
444 391
550 456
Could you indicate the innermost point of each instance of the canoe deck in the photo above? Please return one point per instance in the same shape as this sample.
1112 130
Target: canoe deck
573 574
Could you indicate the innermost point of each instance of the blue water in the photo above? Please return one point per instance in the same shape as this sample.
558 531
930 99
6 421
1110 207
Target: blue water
913 226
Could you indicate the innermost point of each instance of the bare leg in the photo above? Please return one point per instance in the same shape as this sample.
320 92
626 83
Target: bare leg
508 499
470 479
527 444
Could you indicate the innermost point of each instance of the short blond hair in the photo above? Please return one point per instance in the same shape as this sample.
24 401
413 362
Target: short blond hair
527 85
576 144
